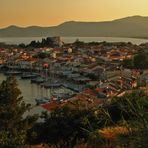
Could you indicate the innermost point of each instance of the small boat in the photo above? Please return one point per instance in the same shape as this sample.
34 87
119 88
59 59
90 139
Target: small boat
63 96
12 73
71 87
53 85
29 76
38 80
42 100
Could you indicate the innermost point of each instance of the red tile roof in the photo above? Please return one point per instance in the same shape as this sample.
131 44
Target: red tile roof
50 106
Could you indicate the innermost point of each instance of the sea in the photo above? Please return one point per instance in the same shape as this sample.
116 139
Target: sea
27 40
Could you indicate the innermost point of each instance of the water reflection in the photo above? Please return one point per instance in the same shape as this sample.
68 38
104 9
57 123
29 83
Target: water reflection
29 91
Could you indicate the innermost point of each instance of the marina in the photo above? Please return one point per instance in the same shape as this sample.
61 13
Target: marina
33 91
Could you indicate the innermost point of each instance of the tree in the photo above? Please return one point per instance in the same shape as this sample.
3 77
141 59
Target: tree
13 126
22 45
79 43
47 42
129 114
42 55
65 127
127 63
141 61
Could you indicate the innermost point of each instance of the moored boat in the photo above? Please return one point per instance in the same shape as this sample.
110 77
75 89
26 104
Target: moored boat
38 80
12 73
53 85
29 75
42 100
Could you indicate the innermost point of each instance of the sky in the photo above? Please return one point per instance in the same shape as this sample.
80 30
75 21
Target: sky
53 12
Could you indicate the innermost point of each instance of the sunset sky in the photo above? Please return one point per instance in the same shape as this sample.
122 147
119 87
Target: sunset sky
54 12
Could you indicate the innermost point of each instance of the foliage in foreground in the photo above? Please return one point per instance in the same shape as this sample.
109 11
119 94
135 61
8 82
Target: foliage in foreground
13 126
122 123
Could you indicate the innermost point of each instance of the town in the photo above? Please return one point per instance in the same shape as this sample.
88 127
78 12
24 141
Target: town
93 72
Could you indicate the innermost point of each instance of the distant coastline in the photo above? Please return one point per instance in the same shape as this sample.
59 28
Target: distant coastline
27 40
141 37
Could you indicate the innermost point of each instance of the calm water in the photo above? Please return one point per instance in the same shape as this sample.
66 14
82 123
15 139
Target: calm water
29 91
27 40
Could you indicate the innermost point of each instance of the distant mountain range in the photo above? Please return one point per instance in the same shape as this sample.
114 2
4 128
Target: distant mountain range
134 26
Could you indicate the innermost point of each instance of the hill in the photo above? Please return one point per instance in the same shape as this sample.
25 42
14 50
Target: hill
134 26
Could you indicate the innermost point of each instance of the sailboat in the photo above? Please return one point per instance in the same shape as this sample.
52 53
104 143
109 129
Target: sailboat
12 69
51 82
29 75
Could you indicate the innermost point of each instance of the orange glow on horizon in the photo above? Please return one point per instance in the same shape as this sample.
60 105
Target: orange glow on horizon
54 12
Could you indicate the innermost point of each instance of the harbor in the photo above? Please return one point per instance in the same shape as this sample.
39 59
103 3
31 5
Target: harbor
32 91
